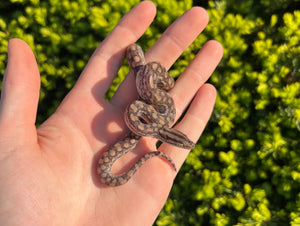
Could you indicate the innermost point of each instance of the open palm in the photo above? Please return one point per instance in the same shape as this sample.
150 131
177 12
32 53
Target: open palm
48 175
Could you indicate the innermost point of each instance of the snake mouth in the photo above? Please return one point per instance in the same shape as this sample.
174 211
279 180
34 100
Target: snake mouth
144 120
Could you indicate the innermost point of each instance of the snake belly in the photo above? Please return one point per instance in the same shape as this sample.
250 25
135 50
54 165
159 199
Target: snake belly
151 115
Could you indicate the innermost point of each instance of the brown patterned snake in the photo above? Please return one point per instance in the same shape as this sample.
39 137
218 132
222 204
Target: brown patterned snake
151 115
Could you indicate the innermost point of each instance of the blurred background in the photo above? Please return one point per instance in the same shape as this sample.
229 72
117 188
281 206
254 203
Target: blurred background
245 169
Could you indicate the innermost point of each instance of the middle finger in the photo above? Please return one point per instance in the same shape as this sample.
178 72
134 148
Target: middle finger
167 48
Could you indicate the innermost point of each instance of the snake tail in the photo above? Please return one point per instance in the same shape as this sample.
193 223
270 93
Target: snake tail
175 137
110 179
135 56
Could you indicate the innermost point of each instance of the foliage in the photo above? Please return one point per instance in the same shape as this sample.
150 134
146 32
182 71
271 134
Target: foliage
245 169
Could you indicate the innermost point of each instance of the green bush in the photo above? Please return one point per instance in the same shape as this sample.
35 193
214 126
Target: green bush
245 169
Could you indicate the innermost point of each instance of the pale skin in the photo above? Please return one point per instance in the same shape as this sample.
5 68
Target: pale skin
48 175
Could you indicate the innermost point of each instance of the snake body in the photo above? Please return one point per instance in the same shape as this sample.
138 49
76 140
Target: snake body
151 115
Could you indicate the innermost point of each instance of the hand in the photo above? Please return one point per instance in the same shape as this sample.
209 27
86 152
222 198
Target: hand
48 175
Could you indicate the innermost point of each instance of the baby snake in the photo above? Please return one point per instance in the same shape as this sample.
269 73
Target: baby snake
151 115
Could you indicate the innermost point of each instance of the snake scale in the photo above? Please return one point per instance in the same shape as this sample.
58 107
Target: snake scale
151 115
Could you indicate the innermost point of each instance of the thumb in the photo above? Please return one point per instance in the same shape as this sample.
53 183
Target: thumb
20 89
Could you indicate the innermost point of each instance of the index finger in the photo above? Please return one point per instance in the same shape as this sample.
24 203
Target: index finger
108 57
105 62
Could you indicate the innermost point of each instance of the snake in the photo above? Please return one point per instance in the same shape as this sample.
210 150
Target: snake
150 115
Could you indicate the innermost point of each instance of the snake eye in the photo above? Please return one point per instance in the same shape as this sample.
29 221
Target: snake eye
160 85
161 109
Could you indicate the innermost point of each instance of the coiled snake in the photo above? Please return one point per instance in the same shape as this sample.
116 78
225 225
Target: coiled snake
151 115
